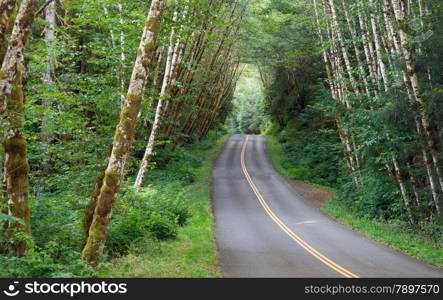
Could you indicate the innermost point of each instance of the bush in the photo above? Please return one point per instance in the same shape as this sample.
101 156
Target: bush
297 173
124 231
161 226
174 208
377 198
41 264
55 223
272 129
157 212
310 155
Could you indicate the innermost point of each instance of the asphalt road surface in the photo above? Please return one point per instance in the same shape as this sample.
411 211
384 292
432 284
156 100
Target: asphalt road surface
265 229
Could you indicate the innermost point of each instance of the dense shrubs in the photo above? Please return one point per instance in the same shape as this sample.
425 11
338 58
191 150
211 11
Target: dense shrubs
42 264
377 198
161 226
315 156
140 219
310 155
154 212
55 223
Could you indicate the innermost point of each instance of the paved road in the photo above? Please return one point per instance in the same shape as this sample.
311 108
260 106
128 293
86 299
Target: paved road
265 229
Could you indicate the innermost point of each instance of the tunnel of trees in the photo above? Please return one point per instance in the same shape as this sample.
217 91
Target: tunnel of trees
99 98
356 86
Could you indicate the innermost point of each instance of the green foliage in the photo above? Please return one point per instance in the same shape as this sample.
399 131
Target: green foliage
310 155
141 220
423 241
42 264
298 173
248 114
193 252
271 130
161 226
377 198
55 221
157 211
8 218
85 94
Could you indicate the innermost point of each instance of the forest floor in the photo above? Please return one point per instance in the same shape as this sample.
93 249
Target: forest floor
394 234
193 252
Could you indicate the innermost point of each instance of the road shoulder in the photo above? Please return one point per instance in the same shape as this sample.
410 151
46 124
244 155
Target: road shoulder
391 234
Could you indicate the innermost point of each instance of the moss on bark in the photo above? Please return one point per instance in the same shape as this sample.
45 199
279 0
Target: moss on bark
123 139
90 207
102 216
17 166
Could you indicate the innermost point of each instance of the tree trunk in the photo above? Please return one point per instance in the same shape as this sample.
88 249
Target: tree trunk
361 68
368 49
122 56
11 93
344 51
378 48
171 65
421 104
413 184
403 191
48 80
6 10
124 136
111 31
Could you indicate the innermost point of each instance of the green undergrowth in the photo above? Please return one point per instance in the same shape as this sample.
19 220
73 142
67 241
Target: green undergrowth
419 241
283 165
166 230
191 252
394 233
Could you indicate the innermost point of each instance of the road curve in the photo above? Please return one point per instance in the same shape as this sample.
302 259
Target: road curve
265 229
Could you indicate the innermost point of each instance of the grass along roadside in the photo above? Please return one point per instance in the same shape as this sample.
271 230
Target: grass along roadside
396 235
193 252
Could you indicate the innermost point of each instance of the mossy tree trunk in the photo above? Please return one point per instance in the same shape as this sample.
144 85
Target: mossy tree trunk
6 10
17 167
90 207
172 62
11 93
124 136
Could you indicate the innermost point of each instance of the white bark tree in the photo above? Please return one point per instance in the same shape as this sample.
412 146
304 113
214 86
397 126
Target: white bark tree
124 136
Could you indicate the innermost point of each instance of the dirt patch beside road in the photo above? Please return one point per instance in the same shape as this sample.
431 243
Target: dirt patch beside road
315 195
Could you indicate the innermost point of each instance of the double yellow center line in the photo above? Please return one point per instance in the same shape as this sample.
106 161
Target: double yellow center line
285 228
